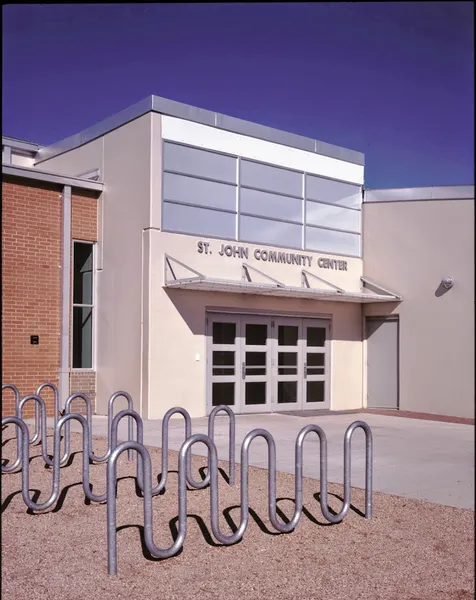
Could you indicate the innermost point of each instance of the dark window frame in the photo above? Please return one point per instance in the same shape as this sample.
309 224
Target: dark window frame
77 363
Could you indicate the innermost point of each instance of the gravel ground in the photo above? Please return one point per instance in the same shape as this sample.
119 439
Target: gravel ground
410 550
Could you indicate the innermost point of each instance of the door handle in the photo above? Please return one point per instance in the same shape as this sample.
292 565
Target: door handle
243 370
305 370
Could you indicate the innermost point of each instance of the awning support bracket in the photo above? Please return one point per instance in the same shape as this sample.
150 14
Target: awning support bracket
169 269
305 281
365 281
245 275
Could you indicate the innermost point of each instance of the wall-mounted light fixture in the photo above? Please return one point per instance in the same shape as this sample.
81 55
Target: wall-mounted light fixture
447 282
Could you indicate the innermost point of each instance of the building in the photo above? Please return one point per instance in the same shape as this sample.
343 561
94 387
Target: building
194 259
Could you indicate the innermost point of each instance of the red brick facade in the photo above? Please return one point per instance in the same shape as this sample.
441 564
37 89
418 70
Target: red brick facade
31 281
84 217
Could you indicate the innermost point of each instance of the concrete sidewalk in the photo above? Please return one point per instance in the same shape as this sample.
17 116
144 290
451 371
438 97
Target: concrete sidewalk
426 460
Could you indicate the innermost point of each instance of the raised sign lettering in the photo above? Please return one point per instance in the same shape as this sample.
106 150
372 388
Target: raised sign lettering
275 256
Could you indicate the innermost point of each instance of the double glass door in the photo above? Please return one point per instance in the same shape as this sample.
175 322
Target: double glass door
259 364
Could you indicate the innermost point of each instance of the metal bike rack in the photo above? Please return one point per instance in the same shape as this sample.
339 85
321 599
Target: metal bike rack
40 431
47 384
113 423
89 417
146 473
14 389
40 420
144 468
23 452
56 402
16 393
23 429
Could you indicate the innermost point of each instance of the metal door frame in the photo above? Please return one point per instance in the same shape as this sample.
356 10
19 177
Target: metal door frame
272 320
382 318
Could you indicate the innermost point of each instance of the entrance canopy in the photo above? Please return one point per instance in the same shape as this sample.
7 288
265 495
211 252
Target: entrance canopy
370 291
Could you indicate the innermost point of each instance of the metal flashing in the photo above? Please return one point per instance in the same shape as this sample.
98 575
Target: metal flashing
206 117
445 192
32 173
18 144
99 129
6 155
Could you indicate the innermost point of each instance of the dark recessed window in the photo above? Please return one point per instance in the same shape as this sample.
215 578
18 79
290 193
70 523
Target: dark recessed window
83 294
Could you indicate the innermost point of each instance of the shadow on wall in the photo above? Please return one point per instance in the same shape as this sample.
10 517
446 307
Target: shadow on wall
441 290
191 305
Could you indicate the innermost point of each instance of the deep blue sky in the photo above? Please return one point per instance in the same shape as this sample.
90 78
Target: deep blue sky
393 80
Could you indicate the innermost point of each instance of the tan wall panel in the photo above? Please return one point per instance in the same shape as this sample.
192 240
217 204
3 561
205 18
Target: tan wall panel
410 246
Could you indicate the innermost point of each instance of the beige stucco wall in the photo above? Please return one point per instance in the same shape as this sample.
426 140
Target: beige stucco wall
409 247
177 322
126 215
124 159
77 161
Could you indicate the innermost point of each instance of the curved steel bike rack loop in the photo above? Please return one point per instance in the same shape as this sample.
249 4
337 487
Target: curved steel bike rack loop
14 389
56 402
231 443
368 462
25 459
188 432
112 444
16 393
332 518
110 417
52 386
67 432
41 411
177 410
89 417
147 492
165 438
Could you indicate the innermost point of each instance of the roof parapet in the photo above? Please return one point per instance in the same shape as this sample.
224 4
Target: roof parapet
206 117
444 192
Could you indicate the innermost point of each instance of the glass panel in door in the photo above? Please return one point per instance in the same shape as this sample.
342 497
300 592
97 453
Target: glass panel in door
256 367
315 345
223 361
288 367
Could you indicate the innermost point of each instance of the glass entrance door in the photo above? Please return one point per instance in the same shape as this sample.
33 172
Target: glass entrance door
256 364
315 355
223 369
267 364
288 364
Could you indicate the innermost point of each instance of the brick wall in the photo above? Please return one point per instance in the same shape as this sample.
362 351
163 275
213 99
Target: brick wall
31 288
84 382
84 216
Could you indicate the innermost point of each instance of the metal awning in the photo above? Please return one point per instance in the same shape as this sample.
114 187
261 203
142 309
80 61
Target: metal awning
370 292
